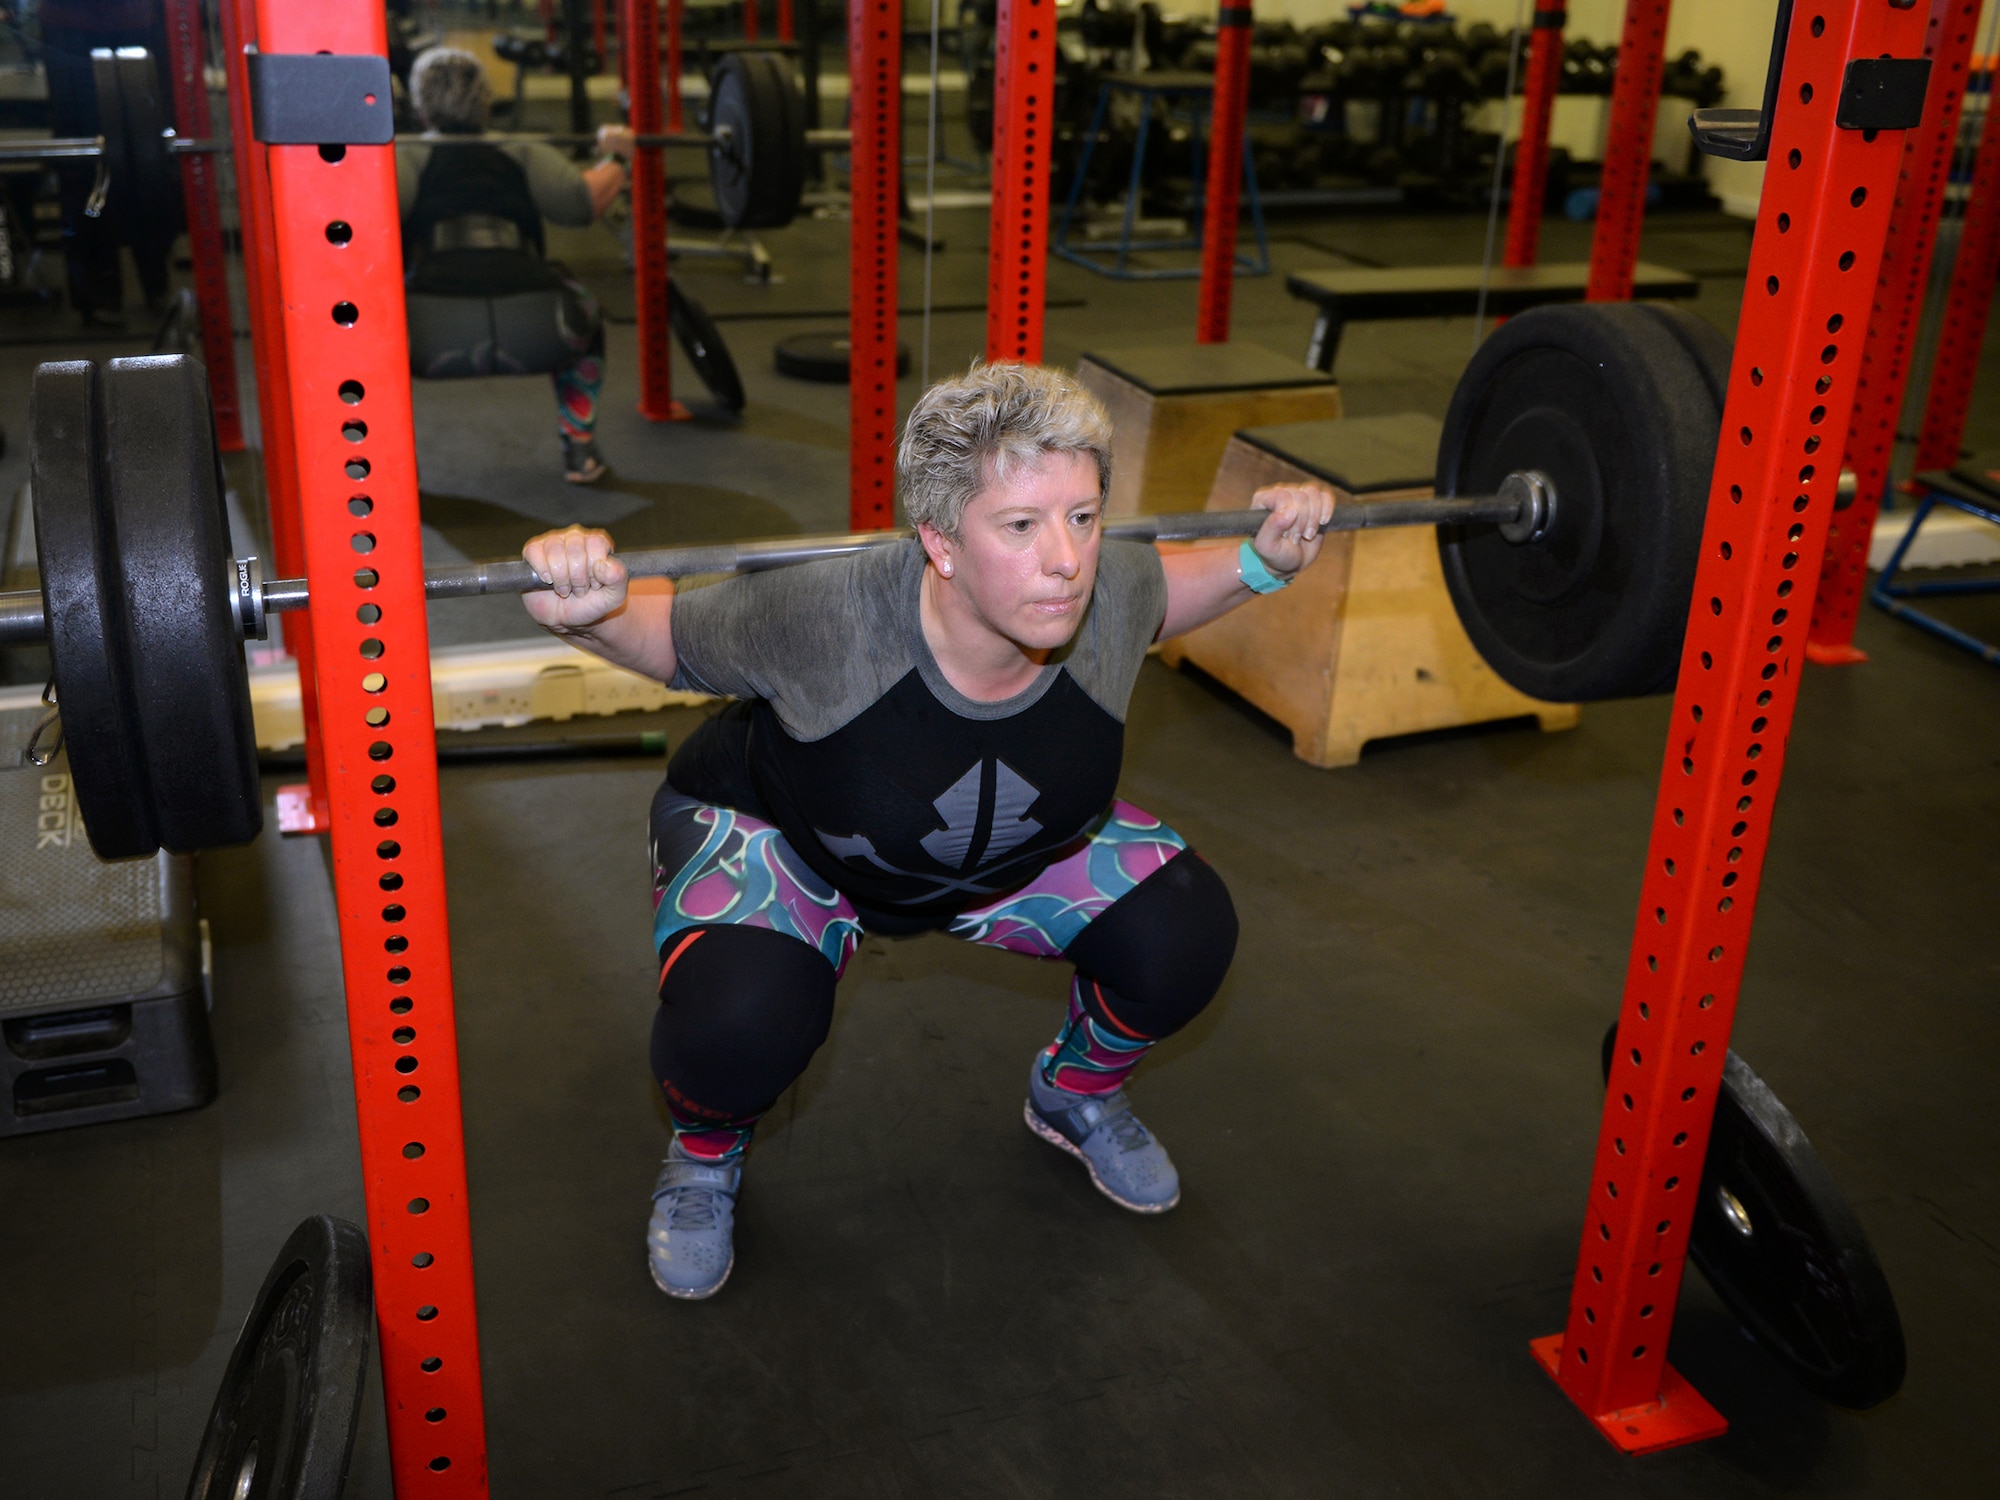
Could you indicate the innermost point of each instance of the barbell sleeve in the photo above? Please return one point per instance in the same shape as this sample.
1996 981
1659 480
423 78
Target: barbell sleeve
52 148
1522 506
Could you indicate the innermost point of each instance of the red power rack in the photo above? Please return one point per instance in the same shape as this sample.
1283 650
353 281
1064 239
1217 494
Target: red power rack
1024 63
187 59
1531 151
875 68
303 808
1892 332
1628 151
1963 327
1231 101
340 263
1821 227
639 24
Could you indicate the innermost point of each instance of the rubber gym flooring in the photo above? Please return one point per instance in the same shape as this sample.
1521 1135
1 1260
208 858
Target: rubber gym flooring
1384 1123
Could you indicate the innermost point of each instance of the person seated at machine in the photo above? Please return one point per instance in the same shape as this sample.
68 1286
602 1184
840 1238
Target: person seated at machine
484 299
926 737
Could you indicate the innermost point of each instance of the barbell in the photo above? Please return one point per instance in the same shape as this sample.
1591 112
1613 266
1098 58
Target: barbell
756 138
1572 480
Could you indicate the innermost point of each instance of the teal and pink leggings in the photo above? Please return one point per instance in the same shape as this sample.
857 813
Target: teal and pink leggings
752 942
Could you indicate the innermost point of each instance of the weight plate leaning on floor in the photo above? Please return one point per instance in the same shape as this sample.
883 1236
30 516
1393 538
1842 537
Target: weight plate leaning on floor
702 342
1613 407
1777 1240
283 1422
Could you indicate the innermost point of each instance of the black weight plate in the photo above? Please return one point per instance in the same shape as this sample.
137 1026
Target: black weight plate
757 181
1709 345
702 341
184 656
1613 407
80 602
155 187
283 1421
824 357
1778 1242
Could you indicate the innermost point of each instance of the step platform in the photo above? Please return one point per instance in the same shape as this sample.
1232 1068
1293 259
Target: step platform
1365 644
1174 406
103 967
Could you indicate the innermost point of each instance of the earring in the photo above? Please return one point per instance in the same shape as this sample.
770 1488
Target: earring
945 568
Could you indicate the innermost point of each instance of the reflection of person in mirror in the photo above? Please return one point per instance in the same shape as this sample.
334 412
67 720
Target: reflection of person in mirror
926 737
484 298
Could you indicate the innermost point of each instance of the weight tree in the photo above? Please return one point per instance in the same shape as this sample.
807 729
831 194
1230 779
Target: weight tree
1835 139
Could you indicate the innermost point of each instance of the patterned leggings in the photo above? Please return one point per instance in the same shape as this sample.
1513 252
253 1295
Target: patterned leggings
752 941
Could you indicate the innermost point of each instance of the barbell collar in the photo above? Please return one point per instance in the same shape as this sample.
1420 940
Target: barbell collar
1526 500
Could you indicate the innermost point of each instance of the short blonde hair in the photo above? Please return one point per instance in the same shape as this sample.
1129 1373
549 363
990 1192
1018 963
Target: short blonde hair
987 424
450 91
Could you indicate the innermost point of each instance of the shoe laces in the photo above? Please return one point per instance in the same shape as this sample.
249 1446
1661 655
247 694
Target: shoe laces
690 1206
1127 1133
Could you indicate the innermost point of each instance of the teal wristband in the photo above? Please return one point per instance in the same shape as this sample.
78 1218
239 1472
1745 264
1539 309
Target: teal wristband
1256 577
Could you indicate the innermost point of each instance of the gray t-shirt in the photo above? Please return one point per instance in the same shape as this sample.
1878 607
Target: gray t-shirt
897 788
554 181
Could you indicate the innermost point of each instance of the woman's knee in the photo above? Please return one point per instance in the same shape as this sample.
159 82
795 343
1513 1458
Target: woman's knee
742 1010
1163 947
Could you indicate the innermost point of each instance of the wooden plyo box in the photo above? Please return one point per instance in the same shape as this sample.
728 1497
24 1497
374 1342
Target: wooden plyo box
1174 406
1365 643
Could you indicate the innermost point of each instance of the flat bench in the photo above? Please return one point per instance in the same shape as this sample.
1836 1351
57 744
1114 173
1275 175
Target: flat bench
1358 296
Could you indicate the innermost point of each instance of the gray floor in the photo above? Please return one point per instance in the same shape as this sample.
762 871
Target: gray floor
1384 1123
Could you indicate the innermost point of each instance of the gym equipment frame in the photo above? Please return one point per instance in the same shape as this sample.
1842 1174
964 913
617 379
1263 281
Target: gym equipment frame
1835 143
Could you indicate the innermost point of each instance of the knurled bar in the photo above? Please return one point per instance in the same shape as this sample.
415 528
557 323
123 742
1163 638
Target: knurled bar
875 64
1230 102
1017 255
340 261
1967 304
1821 225
1531 151
1628 151
1892 327
639 23
268 363
187 59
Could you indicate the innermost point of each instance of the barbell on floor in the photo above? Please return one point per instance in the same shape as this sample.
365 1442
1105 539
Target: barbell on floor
1572 477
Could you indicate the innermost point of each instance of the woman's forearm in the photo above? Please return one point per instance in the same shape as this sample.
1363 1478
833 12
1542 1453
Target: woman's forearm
639 637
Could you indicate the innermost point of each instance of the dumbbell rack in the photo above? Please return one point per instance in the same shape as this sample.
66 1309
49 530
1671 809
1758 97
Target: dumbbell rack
1819 241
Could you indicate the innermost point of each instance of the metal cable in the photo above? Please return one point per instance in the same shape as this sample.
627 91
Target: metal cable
1499 171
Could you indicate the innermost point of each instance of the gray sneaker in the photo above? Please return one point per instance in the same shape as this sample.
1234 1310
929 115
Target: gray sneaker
1100 1130
689 1244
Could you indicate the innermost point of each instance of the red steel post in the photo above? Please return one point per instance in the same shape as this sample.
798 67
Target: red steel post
875 66
1821 226
301 808
1225 171
1966 304
1892 332
785 24
340 260
638 23
1628 151
597 36
749 20
1017 250
187 59
1531 151
673 64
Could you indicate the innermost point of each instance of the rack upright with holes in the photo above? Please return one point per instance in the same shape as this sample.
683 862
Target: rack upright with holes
1835 120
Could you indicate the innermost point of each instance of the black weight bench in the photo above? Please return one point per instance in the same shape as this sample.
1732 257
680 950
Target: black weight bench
1358 296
